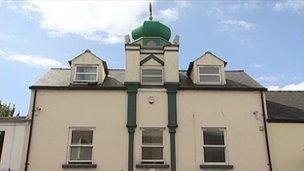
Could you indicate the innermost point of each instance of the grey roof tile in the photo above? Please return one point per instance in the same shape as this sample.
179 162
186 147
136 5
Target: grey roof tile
285 106
60 77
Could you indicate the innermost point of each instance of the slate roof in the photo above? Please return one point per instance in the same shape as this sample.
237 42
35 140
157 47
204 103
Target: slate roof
285 106
60 78
14 119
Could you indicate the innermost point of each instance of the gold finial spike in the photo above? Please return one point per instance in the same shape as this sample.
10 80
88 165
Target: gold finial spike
150 10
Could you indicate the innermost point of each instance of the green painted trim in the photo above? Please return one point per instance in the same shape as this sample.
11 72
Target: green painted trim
152 56
132 88
172 120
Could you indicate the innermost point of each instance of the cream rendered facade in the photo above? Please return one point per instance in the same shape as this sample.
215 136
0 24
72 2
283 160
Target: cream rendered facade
287 146
119 106
62 109
232 110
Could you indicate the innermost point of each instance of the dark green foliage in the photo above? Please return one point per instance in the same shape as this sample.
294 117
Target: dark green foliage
6 110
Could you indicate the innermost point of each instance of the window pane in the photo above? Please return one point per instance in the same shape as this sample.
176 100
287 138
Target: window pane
152 137
208 70
213 137
151 72
86 77
82 137
152 153
214 154
152 79
81 153
86 69
210 78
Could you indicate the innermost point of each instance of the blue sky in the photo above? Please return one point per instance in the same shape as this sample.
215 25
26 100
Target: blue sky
265 38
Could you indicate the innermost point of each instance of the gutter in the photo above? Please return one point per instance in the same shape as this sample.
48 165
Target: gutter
31 130
266 133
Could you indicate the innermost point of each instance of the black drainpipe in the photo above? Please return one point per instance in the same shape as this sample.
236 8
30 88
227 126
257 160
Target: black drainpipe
30 133
266 133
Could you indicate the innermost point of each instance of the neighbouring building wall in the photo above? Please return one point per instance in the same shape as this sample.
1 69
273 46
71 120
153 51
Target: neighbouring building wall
14 146
286 146
234 110
61 109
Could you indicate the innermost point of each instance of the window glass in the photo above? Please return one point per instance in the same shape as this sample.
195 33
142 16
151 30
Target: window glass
214 145
156 72
152 153
82 137
81 153
214 137
86 73
152 76
81 145
209 70
152 137
152 145
214 154
210 78
209 74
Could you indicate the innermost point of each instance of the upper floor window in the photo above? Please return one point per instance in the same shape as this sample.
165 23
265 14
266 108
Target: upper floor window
152 75
152 146
209 75
214 146
81 145
86 73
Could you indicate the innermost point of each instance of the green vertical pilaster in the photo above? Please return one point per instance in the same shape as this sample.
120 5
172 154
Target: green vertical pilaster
132 88
172 120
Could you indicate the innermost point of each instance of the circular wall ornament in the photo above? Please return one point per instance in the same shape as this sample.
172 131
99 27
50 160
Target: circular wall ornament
151 99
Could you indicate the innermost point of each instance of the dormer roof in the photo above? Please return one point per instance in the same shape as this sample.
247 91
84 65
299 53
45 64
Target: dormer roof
208 52
89 51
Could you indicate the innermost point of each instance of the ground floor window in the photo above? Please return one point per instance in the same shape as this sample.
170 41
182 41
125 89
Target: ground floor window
214 146
152 145
81 145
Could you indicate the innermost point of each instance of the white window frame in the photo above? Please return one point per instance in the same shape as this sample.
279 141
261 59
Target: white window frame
225 146
83 73
162 146
203 74
70 145
152 67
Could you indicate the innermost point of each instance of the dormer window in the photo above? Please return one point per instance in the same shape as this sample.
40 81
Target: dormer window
86 73
209 75
152 75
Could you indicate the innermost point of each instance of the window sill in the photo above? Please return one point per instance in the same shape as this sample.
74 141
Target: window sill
144 166
214 166
73 166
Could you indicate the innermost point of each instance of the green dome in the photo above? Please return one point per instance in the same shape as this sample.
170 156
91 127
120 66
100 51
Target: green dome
152 29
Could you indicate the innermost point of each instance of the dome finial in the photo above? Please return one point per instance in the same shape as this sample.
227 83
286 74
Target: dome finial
150 10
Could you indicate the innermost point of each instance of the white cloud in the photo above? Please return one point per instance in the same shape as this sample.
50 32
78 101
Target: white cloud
34 61
256 65
290 87
169 14
236 25
295 5
104 21
269 79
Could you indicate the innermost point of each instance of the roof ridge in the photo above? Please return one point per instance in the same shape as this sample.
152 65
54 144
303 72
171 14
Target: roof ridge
237 70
